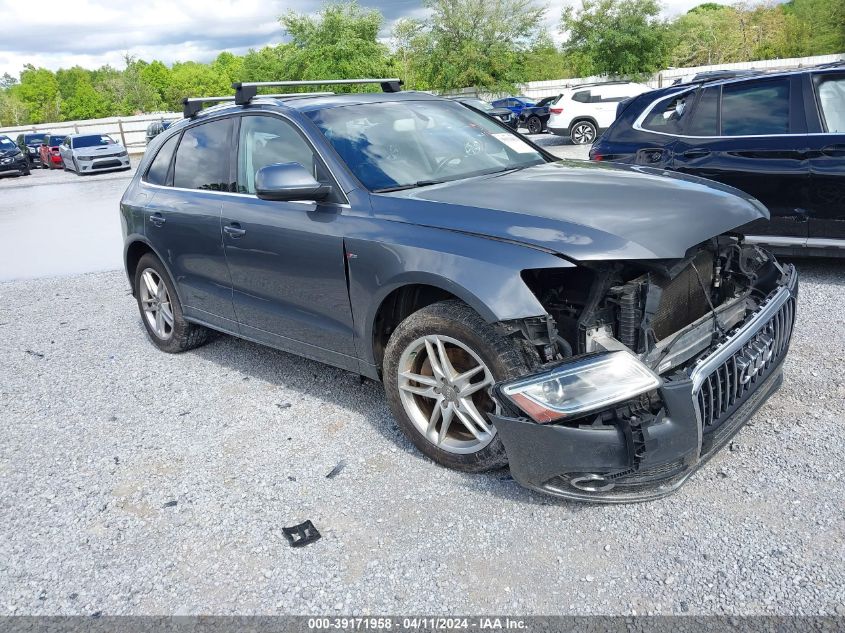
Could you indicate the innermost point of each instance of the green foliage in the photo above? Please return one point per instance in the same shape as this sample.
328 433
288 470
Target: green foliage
479 43
340 41
617 37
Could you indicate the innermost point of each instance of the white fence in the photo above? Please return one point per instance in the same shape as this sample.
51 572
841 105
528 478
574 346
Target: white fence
129 130
540 89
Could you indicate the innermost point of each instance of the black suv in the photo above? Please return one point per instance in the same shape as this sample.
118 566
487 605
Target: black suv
779 137
601 329
29 145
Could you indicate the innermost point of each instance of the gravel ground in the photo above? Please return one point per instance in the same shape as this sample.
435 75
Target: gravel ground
134 482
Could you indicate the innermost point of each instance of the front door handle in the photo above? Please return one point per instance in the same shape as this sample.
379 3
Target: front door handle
157 219
696 153
234 230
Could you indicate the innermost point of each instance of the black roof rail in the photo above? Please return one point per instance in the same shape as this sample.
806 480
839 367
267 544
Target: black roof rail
192 105
246 90
835 64
597 83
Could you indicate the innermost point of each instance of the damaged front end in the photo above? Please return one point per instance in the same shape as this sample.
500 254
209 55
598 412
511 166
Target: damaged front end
652 367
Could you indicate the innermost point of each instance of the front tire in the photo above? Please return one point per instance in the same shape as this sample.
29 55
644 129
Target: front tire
161 311
583 133
438 367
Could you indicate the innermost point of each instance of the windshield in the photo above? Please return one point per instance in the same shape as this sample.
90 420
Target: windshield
414 143
92 141
33 139
6 144
55 141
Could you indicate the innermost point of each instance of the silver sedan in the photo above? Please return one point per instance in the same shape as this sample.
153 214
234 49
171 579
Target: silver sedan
89 153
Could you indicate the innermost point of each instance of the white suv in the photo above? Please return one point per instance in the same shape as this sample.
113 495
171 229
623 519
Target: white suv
583 112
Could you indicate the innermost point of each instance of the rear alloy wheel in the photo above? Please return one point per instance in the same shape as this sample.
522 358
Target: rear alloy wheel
439 366
534 125
583 132
161 311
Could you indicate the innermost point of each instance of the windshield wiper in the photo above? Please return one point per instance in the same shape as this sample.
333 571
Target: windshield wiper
414 185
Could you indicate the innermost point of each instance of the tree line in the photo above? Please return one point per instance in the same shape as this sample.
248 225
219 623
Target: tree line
488 44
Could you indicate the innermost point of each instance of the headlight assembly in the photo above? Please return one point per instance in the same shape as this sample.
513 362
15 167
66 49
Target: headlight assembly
580 386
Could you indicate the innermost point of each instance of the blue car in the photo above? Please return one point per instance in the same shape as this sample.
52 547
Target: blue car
514 104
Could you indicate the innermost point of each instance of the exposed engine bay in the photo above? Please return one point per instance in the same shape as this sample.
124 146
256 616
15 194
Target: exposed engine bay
665 312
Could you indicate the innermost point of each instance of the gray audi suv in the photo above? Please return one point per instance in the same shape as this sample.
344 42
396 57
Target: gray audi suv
602 330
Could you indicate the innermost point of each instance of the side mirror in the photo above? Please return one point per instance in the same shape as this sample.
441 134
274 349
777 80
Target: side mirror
288 182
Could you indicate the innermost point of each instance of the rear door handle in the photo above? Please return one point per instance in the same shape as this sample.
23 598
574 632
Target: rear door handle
696 153
834 150
234 230
157 219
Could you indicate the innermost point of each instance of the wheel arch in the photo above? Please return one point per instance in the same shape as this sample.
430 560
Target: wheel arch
408 294
133 252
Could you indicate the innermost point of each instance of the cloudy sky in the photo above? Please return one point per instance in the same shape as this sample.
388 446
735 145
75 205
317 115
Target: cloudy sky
90 33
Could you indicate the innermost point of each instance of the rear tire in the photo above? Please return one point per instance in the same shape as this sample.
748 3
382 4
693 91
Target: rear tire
583 133
161 310
534 125
436 397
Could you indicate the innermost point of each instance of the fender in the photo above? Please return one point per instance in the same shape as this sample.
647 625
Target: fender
482 272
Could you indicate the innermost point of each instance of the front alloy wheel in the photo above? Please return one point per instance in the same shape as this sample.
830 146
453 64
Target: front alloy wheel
583 133
443 387
155 302
439 365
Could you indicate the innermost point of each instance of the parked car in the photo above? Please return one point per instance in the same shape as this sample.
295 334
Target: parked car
535 117
89 153
503 114
13 162
778 137
603 329
29 144
157 127
514 104
583 112
48 152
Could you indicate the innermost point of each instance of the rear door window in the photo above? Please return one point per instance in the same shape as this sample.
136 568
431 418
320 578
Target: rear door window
831 93
157 173
202 159
668 115
755 108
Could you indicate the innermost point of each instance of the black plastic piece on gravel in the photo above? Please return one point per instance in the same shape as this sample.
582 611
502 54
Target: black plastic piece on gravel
302 534
336 470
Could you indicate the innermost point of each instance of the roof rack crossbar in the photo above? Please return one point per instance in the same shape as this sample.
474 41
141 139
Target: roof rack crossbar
192 105
246 90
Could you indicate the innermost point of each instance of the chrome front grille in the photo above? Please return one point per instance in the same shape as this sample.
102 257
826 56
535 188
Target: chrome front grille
725 378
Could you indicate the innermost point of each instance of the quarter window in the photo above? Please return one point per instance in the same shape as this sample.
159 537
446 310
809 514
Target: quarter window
157 173
668 115
202 160
831 92
755 108
266 140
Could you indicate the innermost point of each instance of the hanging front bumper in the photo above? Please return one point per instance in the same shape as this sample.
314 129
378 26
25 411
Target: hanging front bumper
643 455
